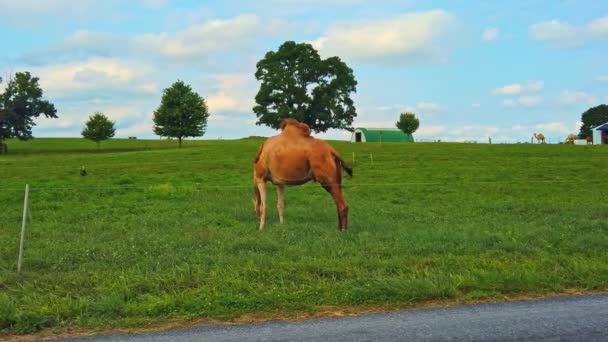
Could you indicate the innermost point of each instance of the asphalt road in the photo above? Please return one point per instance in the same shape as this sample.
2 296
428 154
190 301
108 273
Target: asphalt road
579 318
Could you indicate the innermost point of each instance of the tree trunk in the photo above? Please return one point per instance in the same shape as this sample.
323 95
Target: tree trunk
98 145
180 142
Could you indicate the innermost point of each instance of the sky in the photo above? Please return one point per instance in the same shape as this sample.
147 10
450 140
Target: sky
469 70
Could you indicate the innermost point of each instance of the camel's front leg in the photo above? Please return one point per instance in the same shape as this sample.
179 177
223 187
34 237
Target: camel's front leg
262 205
281 202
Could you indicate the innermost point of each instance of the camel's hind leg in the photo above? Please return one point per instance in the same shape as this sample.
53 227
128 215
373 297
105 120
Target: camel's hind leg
261 206
281 202
336 193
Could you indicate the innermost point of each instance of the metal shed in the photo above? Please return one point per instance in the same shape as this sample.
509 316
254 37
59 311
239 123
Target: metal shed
380 135
600 134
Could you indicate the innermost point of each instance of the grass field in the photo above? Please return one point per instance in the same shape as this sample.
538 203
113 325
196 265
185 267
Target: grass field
155 232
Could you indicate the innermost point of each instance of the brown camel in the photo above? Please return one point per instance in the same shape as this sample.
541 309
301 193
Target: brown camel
540 138
570 139
293 158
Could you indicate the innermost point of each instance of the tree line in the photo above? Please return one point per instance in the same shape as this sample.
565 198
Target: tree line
295 82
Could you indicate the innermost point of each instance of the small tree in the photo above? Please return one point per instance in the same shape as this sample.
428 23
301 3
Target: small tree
408 122
20 103
98 128
182 113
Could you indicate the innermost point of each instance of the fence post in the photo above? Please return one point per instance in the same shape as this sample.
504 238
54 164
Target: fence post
19 262
371 157
353 158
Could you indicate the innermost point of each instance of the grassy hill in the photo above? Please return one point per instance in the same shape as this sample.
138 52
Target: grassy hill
154 232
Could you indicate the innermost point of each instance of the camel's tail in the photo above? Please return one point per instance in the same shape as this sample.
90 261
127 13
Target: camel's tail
342 163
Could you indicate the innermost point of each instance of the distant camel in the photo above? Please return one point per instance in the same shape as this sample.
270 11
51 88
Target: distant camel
293 158
589 140
570 139
540 138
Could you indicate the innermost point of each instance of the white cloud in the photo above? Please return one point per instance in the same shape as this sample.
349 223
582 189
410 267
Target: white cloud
557 34
430 130
530 101
428 106
519 128
98 73
386 123
511 89
44 123
233 92
525 100
116 113
475 105
144 128
474 130
195 43
200 39
180 17
407 38
216 118
476 133
10 8
601 78
599 27
517 88
149 87
490 34
568 97
334 134
535 86
554 127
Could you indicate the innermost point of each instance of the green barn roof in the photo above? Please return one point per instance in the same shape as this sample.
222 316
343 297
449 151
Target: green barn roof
385 135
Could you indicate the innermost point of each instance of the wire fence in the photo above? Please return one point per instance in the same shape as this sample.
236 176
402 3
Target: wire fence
354 185
77 215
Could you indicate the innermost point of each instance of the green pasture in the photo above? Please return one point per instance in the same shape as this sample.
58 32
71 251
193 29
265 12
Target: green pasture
154 232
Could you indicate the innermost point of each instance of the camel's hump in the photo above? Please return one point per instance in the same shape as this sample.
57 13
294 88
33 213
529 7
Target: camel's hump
293 126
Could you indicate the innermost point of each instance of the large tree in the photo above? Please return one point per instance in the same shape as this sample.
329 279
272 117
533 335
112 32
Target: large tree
98 128
297 83
182 113
20 103
408 122
593 117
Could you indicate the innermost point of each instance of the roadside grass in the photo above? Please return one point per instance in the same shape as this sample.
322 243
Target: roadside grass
154 232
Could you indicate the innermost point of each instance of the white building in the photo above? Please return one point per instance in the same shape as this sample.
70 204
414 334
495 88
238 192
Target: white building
600 134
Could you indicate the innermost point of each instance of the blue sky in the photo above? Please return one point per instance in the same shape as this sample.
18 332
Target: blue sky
468 69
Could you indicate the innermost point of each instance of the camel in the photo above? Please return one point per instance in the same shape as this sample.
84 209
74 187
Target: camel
540 138
293 157
570 139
